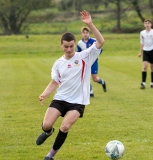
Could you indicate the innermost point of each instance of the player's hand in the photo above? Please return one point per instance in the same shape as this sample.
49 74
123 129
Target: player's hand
85 16
41 99
139 55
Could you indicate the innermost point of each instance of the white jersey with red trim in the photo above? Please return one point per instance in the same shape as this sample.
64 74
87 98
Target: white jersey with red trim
73 76
146 38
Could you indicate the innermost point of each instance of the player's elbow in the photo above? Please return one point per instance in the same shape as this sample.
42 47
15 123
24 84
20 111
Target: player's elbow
103 41
100 44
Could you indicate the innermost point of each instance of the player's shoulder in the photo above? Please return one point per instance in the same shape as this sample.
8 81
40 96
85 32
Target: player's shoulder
59 60
143 31
80 41
92 39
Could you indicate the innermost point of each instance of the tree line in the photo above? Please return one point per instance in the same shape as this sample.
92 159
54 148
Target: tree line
13 13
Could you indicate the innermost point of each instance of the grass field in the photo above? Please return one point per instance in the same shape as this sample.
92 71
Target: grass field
124 112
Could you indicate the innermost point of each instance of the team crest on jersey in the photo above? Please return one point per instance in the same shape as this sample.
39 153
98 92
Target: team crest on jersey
76 63
89 45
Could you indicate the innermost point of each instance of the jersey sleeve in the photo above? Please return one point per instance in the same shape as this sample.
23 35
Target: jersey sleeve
94 40
90 54
55 73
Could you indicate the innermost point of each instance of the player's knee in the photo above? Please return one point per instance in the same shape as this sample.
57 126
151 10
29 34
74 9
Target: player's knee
94 79
65 127
46 126
151 67
144 68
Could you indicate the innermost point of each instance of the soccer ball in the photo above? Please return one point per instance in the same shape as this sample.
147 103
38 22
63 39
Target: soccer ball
114 149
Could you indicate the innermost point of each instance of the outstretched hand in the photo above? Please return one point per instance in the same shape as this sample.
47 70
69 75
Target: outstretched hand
41 99
85 16
139 55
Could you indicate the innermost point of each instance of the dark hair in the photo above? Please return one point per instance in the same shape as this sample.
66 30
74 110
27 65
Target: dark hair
68 37
148 20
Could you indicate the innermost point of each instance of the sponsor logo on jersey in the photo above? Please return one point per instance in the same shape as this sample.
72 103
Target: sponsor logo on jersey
69 66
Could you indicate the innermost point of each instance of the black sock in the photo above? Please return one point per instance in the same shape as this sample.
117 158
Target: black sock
47 131
144 76
152 77
59 140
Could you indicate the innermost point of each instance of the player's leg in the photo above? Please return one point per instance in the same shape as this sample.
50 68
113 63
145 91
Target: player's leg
52 113
95 78
151 67
145 60
47 126
144 74
91 91
69 119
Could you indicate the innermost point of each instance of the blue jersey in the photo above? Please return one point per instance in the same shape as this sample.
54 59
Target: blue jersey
84 45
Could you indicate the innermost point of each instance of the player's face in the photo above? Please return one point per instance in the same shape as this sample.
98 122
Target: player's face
68 48
85 35
147 25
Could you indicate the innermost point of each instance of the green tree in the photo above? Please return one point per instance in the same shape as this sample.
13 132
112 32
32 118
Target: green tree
138 9
13 13
118 13
65 5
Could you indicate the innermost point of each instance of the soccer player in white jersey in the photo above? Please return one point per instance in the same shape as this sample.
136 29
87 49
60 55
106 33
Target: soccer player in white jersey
146 49
71 80
83 44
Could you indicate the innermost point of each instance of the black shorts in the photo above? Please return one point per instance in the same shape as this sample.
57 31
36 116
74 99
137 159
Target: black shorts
64 107
148 56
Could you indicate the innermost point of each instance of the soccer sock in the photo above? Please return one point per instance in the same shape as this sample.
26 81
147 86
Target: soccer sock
52 153
144 76
60 139
48 132
100 81
91 91
151 77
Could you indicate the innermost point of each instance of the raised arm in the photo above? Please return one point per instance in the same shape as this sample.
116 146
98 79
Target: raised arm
86 18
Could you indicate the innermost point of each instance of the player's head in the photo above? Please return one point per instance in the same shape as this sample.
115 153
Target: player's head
68 36
68 44
85 32
147 23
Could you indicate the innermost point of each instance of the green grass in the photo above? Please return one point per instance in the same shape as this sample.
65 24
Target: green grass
124 112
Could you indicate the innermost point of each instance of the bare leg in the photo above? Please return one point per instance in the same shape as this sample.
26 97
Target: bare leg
95 78
50 117
69 119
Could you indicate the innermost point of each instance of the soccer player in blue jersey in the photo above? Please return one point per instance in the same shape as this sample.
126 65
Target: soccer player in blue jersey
83 44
